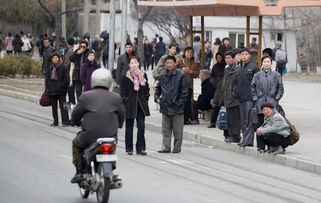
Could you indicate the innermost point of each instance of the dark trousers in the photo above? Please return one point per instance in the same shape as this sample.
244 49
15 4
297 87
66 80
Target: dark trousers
140 144
259 142
105 61
280 68
188 106
246 124
273 140
77 153
234 122
215 112
76 87
54 104
147 62
153 62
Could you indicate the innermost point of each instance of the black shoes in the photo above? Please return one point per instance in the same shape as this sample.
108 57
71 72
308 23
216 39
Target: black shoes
164 151
54 124
77 178
188 122
212 125
65 124
130 153
176 151
143 153
233 140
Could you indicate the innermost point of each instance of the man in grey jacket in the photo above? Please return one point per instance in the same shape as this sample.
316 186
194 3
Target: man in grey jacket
102 113
171 94
229 101
123 62
275 131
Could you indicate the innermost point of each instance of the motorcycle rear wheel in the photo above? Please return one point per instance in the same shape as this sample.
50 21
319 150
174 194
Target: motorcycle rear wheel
103 189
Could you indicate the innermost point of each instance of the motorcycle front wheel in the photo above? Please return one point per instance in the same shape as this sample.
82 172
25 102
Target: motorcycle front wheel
104 186
84 193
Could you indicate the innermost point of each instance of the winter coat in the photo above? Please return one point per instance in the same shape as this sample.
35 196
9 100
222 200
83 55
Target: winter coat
266 87
78 60
132 98
66 60
275 123
148 50
208 58
17 45
26 44
102 113
196 51
46 58
160 67
216 77
59 86
243 79
228 98
172 90
222 49
122 66
8 41
160 48
204 100
189 63
87 70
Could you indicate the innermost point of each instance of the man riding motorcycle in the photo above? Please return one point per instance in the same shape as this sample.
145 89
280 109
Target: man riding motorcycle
102 113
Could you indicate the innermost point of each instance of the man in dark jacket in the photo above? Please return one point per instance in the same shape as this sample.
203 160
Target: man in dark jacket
243 79
78 58
148 52
171 94
102 113
66 61
229 101
160 49
46 55
122 63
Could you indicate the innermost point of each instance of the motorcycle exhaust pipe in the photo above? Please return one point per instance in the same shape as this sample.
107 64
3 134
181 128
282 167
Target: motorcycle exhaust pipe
116 185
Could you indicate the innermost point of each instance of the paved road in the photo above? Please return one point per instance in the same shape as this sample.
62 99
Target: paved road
36 167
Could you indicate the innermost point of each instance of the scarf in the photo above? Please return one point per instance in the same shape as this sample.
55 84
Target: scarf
138 77
54 75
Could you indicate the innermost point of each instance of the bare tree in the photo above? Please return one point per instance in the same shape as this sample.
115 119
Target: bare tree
174 26
142 12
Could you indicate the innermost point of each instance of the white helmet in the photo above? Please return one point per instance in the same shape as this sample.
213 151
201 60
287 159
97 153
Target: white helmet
101 78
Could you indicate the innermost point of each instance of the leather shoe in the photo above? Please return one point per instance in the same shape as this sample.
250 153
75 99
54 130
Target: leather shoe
164 151
233 140
176 151
212 125
130 153
54 124
77 178
188 122
279 151
195 122
143 153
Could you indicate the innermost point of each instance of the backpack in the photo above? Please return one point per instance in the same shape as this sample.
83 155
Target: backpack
222 119
294 133
280 56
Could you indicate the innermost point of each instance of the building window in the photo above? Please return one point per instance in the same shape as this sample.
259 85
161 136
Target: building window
208 36
276 36
237 40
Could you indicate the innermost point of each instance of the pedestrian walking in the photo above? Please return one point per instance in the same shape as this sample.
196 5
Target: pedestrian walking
266 86
280 57
208 55
87 69
197 49
216 77
160 49
26 44
68 64
57 84
8 43
148 52
243 79
191 70
171 94
171 51
274 132
123 62
153 43
135 96
97 46
46 55
17 44
40 45
78 58
229 101
254 47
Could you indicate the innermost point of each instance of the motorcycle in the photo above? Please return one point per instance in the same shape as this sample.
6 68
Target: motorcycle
99 162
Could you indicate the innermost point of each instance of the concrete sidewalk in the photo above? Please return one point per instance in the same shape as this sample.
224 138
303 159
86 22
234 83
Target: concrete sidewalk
301 103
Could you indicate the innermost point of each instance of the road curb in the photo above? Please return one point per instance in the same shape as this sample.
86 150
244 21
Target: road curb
286 160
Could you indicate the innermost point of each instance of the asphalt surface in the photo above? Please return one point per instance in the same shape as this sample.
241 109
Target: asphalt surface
36 167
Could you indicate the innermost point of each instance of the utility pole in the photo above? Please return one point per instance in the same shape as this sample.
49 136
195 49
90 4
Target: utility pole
111 54
86 16
124 25
63 18
98 18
